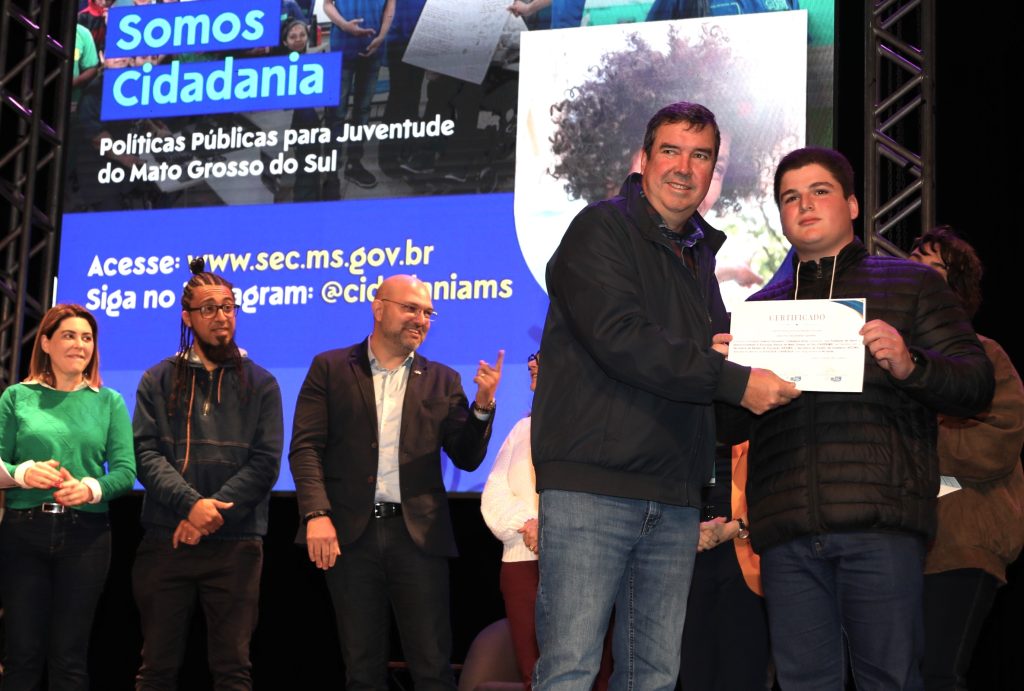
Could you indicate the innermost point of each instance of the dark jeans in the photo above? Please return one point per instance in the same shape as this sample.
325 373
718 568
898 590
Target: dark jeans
956 604
725 638
866 585
358 80
224 576
385 566
52 571
404 95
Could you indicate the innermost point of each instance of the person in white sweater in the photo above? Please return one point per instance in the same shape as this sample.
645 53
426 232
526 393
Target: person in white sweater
509 505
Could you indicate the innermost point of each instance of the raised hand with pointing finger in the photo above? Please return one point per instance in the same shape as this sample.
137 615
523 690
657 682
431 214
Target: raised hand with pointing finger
487 379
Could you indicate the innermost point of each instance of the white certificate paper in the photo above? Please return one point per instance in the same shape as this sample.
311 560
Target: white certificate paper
816 344
457 38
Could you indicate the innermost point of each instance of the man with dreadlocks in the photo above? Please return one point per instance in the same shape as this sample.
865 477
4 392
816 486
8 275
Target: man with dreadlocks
208 438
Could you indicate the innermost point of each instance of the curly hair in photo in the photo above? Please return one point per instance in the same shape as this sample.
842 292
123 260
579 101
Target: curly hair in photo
600 122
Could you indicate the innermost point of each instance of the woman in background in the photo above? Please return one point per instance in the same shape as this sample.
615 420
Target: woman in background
509 504
725 613
67 443
981 521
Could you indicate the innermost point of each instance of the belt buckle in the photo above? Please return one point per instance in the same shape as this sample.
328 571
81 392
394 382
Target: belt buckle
49 507
383 509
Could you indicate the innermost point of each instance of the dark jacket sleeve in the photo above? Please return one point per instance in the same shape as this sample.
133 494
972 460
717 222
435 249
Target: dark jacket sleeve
465 436
309 439
157 473
593 279
248 487
954 376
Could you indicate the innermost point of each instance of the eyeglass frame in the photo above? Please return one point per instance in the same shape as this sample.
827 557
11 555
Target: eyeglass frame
228 308
430 314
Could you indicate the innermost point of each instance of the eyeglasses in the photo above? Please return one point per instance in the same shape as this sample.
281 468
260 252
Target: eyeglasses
412 310
208 311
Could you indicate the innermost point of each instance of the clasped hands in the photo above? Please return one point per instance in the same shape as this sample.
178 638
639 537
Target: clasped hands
203 519
715 532
50 475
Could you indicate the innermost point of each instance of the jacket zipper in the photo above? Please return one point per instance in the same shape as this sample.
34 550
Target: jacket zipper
812 446
692 274
209 392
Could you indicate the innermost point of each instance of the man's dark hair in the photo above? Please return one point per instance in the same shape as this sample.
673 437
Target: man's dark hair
829 159
694 114
963 267
200 277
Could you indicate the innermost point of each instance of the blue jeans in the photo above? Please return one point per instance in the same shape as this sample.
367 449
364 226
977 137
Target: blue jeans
866 585
599 552
358 80
52 571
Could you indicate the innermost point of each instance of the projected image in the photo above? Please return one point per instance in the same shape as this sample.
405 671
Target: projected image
473 207
582 124
384 112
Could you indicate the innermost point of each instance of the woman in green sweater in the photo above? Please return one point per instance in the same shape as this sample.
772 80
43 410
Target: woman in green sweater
67 444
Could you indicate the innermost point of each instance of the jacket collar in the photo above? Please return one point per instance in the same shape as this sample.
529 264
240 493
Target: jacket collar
640 211
851 254
193 360
360 359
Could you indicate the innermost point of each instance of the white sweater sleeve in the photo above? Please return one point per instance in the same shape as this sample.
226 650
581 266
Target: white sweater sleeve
506 507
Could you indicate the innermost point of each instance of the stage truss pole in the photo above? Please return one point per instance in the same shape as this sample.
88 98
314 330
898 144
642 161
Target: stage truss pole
899 155
35 85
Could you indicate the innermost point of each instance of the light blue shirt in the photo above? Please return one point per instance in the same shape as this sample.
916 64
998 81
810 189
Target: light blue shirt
389 394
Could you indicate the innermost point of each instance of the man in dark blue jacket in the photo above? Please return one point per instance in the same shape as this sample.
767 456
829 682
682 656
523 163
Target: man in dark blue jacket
208 438
623 424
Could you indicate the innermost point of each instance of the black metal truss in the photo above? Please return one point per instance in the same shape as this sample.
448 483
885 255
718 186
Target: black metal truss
36 50
899 155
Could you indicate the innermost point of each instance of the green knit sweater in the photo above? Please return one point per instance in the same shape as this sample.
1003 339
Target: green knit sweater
82 429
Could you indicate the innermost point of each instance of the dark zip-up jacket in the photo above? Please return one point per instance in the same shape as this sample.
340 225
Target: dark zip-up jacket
840 462
233 446
624 401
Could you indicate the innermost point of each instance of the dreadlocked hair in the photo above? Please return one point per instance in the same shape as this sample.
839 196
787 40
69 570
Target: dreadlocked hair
200 277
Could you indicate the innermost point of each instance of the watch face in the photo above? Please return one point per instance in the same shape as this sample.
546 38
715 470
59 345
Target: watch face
743 534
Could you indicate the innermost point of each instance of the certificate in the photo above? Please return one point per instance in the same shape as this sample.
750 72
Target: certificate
457 38
816 344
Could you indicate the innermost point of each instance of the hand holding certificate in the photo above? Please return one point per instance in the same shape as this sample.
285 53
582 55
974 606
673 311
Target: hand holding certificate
816 344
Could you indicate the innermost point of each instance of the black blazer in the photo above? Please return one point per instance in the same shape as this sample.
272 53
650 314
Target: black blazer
333 454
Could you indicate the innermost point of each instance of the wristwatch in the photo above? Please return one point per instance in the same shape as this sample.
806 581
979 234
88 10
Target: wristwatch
744 532
489 408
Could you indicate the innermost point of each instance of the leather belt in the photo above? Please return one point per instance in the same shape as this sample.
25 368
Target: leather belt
386 509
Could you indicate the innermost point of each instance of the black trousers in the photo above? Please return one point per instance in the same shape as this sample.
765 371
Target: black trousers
52 571
384 570
956 604
725 638
223 576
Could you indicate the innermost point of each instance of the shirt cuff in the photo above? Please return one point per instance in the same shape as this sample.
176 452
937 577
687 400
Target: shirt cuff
19 473
97 491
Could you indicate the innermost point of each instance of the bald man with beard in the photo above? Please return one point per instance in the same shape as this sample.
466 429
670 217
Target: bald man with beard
370 423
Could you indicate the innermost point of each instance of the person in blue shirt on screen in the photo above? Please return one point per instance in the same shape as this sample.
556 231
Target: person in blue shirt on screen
358 30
